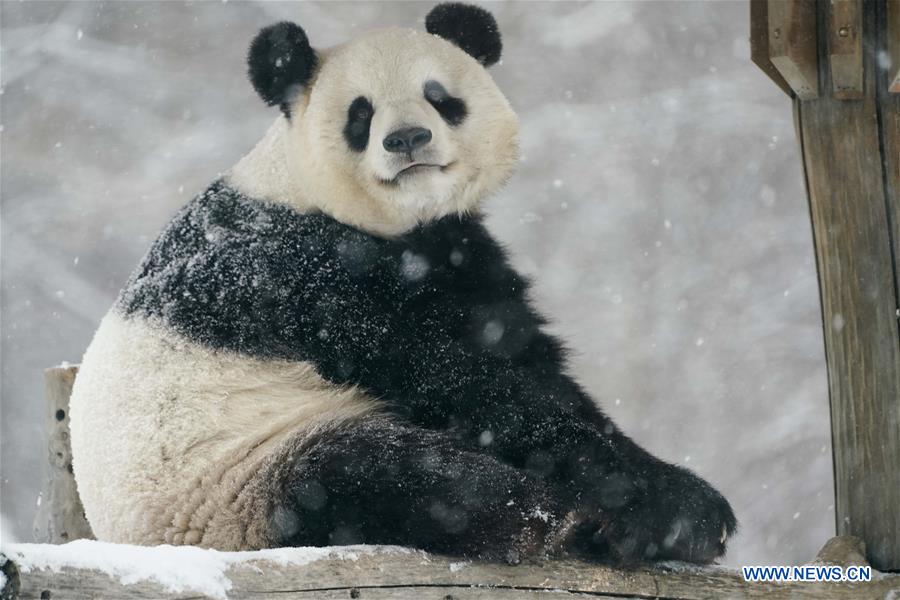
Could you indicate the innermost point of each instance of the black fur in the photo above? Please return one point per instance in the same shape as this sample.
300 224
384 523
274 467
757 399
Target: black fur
472 28
359 122
280 62
382 482
452 109
437 325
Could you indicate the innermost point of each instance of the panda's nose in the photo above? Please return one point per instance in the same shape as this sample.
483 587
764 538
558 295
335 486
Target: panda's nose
407 139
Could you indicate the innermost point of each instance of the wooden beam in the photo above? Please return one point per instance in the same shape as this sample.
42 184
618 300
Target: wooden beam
759 44
850 198
792 44
417 575
889 126
845 52
892 56
60 516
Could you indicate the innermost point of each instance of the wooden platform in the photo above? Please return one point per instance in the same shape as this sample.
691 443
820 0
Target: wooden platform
379 574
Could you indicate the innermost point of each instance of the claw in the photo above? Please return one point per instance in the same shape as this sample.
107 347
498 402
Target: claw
724 534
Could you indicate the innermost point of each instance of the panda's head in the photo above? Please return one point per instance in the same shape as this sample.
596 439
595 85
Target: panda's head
392 129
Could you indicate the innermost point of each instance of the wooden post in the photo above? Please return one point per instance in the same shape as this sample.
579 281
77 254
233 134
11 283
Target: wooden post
60 517
850 145
759 44
792 44
845 48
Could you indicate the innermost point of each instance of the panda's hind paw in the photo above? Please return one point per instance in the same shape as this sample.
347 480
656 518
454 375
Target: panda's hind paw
680 517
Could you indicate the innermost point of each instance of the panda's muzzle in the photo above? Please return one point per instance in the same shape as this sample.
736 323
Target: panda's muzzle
406 140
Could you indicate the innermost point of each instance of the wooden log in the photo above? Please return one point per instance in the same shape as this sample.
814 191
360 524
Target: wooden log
845 48
60 516
792 44
852 187
417 575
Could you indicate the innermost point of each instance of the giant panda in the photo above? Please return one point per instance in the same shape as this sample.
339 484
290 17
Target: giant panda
327 346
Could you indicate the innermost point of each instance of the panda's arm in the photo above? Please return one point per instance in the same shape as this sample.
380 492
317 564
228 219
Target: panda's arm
462 348
520 406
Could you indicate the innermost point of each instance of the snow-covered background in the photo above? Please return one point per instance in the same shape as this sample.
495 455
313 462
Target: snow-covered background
659 207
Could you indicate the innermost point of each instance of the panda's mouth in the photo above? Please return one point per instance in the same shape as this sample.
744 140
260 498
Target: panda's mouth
416 168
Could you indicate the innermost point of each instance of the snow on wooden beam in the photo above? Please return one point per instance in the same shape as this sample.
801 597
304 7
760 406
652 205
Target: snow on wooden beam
92 570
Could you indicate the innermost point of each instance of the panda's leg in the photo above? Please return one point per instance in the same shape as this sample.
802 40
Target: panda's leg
381 482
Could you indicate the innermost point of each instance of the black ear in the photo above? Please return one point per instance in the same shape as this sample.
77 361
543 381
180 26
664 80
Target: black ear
280 62
470 27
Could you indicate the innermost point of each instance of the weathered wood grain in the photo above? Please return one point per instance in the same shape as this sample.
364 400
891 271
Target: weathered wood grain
419 575
845 48
849 195
60 516
792 44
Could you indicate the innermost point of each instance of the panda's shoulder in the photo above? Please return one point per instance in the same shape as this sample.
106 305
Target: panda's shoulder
225 222
223 239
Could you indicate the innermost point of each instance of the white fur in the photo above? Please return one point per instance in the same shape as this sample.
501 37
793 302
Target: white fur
167 436
306 163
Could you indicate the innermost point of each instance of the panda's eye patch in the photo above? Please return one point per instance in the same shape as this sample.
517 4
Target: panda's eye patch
359 118
452 109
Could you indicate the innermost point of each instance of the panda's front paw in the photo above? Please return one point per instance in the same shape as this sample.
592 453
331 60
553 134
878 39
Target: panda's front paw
677 516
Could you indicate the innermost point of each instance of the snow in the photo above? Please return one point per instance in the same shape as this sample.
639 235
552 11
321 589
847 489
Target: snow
176 568
455 567
676 566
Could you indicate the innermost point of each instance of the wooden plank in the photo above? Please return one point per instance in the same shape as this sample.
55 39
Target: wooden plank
889 124
759 44
845 48
439 593
892 56
792 44
852 231
60 516
420 575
